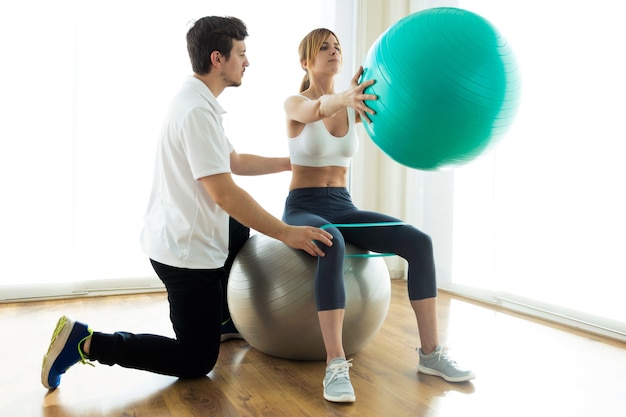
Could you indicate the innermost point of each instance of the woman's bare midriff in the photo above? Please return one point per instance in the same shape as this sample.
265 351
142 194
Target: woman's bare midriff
310 177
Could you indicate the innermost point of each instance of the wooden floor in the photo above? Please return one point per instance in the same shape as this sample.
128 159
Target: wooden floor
524 368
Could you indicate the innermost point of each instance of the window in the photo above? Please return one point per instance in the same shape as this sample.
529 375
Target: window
538 224
84 89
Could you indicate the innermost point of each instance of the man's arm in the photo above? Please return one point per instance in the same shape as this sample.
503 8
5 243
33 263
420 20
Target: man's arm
240 205
247 164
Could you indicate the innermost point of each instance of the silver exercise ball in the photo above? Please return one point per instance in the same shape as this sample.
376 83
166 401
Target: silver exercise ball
272 300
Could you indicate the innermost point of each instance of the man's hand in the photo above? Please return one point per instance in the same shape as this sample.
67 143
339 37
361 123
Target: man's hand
304 237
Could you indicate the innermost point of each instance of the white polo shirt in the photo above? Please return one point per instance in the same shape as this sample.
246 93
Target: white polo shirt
183 226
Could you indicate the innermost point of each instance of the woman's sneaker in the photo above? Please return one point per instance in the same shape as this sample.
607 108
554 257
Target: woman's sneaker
439 363
64 350
337 385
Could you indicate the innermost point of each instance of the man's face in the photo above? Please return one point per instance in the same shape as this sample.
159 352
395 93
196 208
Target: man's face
233 69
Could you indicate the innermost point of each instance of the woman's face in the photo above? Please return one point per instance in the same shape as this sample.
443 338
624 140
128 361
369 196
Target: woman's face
328 58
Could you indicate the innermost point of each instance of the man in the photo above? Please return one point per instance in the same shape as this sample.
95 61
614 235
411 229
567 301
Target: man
186 231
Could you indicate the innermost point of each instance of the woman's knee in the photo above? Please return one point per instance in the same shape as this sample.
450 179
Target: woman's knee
339 244
426 242
415 246
415 237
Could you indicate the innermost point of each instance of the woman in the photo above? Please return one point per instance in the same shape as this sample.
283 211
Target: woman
322 141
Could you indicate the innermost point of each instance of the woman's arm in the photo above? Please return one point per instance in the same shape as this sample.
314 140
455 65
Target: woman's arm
304 111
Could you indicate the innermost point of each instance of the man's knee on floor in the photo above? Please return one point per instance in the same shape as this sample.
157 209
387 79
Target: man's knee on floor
195 371
197 367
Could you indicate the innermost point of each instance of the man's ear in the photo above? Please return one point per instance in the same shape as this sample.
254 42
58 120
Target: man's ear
216 58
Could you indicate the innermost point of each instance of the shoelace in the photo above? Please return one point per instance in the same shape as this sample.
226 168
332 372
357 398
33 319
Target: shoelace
83 358
339 370
442 354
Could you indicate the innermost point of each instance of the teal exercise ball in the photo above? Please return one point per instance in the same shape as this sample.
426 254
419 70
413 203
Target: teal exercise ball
448 88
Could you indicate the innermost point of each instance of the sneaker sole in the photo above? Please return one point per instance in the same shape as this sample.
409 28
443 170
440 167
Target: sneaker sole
345 398
429 371
59 338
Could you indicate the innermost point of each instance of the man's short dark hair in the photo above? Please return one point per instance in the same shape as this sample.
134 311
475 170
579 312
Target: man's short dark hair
212 33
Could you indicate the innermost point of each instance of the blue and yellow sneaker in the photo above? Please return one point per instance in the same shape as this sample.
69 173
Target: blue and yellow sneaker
64 350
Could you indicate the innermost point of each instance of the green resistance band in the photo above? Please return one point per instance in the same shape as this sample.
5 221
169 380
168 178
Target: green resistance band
364 255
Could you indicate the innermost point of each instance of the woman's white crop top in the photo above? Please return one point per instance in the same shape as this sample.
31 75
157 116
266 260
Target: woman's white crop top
316 147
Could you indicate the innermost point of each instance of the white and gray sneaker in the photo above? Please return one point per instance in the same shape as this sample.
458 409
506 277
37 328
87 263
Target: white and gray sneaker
439 363
337 385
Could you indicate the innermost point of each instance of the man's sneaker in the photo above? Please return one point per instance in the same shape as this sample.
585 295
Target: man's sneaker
439 363
337 386
64 350
229 331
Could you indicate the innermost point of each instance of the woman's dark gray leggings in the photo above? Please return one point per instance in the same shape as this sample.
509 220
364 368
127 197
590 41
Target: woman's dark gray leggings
320 206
